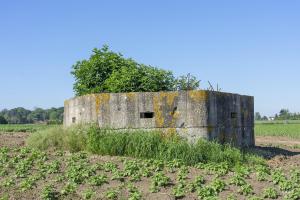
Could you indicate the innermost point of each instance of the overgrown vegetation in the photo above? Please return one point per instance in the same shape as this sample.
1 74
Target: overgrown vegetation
138 144
107 71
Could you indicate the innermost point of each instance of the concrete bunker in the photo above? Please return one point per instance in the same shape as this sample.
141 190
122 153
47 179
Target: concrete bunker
225 117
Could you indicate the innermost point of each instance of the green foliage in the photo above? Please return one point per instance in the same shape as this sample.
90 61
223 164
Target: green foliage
3 120
278 176
237 180
69 188
139 79
159 180
179 190
4 197
98 180
111 194
262 172
27 184
8 182
218 185
294 194
88 194
134 193
246 189
187 82
220 169
206 192
48 193
107 71
270 193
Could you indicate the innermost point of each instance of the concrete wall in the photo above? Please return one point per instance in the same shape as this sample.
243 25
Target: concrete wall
192 114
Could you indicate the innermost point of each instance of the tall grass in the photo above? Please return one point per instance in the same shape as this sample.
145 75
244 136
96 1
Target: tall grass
72 139
138 144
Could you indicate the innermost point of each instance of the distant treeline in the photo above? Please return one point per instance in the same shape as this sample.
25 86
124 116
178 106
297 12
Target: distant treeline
284 114
38 115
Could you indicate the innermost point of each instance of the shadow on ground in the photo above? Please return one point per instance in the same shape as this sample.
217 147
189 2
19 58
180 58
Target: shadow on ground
269 152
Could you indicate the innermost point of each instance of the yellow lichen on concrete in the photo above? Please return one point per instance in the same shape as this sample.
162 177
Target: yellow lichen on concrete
198 95
101 99
185 130
170 97
175 115
159 119
131 96
157 100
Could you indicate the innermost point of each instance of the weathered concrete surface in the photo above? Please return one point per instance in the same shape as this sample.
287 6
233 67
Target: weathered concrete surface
192 114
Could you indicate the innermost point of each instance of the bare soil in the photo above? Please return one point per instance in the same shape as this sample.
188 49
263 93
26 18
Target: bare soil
13 139
281 152
269 140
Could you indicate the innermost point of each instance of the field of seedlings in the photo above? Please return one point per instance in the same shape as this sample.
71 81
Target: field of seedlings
32 174
96 173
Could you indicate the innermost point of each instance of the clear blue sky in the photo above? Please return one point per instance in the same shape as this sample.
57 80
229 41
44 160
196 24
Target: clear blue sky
247 47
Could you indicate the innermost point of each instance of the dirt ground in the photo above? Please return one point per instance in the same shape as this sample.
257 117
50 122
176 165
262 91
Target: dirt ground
281 152
13 139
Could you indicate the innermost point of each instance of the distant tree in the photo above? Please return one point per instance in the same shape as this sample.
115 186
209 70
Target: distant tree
56 114
265 118
3 120
284 114
187 82
258 116
16 115
23 116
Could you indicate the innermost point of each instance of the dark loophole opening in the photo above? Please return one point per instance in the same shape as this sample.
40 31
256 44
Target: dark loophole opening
146 114
233 115
73 119
174 110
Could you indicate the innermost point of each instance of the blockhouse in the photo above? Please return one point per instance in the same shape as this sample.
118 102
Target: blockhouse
225 117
